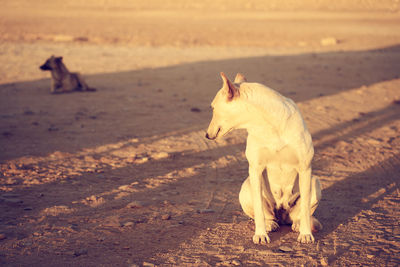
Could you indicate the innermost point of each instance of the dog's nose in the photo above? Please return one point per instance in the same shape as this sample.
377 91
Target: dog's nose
209 137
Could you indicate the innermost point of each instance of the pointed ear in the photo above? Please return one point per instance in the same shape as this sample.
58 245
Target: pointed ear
240 78
229 88
59 58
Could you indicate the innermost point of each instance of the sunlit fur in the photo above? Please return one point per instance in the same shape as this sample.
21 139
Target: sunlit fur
279 150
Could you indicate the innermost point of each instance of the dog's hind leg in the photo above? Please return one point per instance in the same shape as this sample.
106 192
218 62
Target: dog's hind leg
246 201
82 85
294 212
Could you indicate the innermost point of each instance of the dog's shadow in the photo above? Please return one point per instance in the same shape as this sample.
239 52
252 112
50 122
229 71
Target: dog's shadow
345 198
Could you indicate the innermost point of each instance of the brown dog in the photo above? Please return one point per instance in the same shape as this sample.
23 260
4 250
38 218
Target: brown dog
61 79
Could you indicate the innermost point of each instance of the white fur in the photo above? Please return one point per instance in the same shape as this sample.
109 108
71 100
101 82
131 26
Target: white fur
279 151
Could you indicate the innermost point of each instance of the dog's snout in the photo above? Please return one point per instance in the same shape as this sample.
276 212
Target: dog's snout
209 137
212 136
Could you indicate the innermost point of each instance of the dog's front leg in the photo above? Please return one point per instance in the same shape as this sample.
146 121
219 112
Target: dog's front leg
305 206
255 174
53 87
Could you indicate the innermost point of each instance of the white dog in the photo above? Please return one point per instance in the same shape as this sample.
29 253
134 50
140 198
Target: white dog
279 150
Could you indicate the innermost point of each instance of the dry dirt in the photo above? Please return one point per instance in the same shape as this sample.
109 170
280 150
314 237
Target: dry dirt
125 177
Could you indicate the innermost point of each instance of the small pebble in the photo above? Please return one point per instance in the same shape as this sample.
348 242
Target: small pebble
324 262
135 204
52 129
3 236
127 224
160 155
206 211
166 217
80 252
372 141
140 220
285 249
329 41
236 263
141 159
125 187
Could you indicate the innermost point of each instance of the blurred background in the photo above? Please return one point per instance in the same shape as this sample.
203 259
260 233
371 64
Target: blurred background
309 25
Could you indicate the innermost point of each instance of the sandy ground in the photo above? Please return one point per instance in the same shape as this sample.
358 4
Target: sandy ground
125 177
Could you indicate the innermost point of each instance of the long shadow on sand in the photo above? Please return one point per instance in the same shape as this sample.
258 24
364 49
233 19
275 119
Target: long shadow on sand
151 236
289 74
357 189
32 120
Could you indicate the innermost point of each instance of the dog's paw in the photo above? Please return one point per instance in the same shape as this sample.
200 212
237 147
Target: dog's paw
261 239
296 227
305 238
316 226
271 225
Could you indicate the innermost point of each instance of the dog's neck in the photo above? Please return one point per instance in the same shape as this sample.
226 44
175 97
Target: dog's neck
60 71
257 120
267 119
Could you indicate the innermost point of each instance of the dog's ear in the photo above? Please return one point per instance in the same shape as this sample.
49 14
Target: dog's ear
59 58
229 88
240 78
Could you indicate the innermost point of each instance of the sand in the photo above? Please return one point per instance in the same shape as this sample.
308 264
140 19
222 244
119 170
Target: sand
125 177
